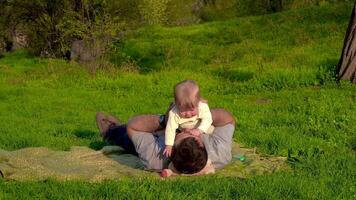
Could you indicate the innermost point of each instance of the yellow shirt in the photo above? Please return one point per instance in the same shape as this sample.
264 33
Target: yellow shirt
201 121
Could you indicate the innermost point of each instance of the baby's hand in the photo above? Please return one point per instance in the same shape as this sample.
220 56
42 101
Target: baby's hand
167 151
195 132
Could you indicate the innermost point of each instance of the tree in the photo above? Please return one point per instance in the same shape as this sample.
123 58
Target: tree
7 26
39 20
347 62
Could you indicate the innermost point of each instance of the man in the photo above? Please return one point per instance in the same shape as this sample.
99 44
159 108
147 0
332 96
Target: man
194 155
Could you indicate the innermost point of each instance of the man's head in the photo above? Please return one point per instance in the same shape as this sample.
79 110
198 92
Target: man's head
189 156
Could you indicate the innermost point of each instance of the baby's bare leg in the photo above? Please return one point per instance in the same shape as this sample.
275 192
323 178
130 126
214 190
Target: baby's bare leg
221 117
143 123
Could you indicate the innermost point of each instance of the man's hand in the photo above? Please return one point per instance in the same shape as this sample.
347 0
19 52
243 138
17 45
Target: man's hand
195 132
167 151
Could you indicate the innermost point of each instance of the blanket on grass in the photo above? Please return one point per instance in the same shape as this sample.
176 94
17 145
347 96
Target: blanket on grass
83 163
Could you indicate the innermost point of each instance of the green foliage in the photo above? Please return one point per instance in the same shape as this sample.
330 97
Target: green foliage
154 11
273 72
52 26
256 53
227 9
127 11
277 186
183 12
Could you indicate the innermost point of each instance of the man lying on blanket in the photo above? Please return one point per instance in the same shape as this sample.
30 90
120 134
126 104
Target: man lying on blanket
191 155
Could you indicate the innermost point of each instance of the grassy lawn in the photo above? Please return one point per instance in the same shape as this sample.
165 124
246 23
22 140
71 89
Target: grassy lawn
275 73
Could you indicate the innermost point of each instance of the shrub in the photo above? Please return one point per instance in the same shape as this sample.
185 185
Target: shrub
52 25
154 11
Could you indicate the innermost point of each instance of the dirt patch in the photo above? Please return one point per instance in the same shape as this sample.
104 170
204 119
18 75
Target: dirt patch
83 163
248 162
263 101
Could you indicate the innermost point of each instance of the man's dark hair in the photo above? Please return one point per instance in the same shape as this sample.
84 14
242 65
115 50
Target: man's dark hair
189 157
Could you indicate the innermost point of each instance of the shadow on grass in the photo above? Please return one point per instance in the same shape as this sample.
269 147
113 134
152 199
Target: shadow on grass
97 145
234 74
144 58
85 134
352 143
327 71
88 134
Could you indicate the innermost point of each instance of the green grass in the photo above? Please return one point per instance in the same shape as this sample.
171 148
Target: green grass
275 73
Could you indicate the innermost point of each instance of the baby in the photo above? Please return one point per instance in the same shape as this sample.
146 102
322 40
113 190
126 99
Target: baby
190 113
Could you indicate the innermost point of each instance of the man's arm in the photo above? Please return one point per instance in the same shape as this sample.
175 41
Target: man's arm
143 123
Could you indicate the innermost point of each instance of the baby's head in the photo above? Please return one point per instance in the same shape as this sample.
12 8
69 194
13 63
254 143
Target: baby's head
187 97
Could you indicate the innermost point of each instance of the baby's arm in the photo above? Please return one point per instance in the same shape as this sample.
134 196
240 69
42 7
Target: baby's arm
205 116
170 133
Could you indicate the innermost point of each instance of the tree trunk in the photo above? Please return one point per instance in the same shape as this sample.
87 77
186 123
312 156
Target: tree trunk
347 63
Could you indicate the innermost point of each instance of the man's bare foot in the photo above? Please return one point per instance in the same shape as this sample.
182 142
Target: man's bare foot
104 123
114 120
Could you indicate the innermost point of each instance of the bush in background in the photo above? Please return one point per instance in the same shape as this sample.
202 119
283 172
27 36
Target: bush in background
226 9
52 25
154 11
